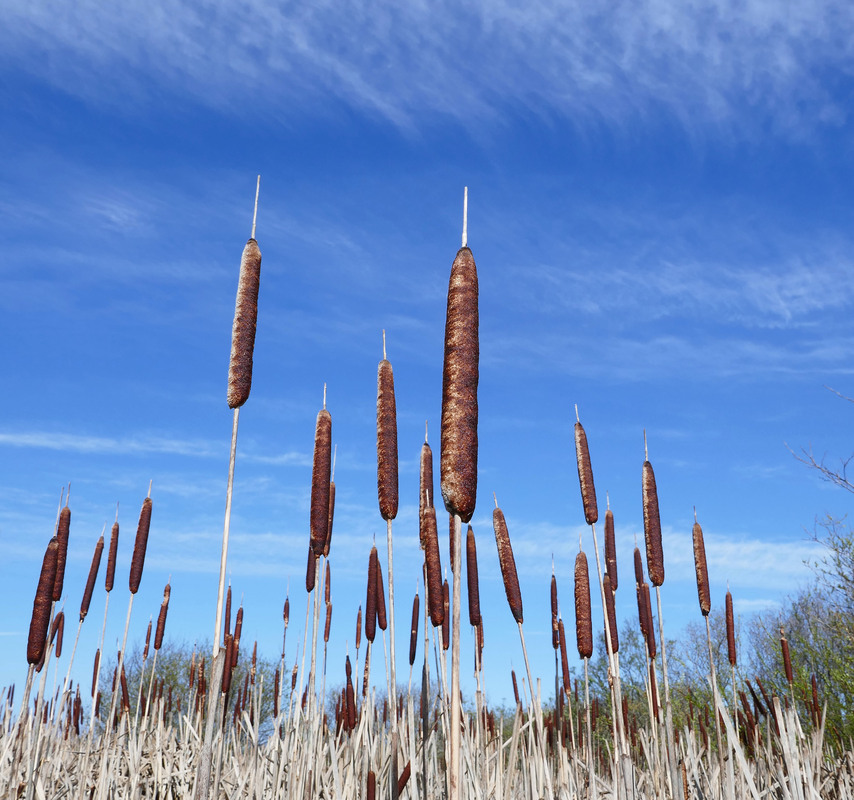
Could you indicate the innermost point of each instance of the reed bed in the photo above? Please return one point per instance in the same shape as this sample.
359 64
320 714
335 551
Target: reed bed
235 729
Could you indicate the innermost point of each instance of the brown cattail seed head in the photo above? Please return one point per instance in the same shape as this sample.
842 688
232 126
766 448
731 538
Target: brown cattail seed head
787 657
125 695
229 663
583 620
111 558
320 478
62 532
553 598
585 475
386 442
327 585
41 604
425 498
57 629
508 564
459 389
652 527
473 584
564 658
371 792
227 612
90 581
358 628
161 619
413 633
730 631
243 330
382 621
141 542
702 570
434 568
310 570
147 641
328 543
638 567
650 630
96 668
328 622
515 687
286 611
446 621
610 549
612 613
371 598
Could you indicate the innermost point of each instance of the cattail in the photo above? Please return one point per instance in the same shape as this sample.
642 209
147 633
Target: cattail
473 584
138 560
730 630
371 598
583 620
310 570
327 585
515 688
446 621
358 628
161 620
425 498
62 531
413 634
96 668
701 570
815 704
434 568
227 612
147 641
404 777
787 658
641 610
42 603
328 622
328 543
610 549
653 687
650 630
228 668
243 330
585 476
57 629
372 785
386 440
452 530
564 658
90 581
382 621
612 613
652 527
479 631
294 678
125 695
111 558
350 699
276 680
320 479
638 567
555 632
508 564
286 611
459 389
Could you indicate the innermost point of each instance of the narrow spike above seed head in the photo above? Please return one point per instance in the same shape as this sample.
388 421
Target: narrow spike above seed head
611 549
111 558
243 329
702 571
62 532
459 389
434 568
585 476
138 560
41 604
387 485
93 576
652 527
371 597
583 619
730 630
508 564
473 580
320 480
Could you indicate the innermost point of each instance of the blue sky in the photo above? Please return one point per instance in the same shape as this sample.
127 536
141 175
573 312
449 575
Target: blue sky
660 209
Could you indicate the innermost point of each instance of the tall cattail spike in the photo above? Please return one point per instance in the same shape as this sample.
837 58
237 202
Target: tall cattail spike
324 395
576 413
384 353
425 431
255 211
465 216
645 448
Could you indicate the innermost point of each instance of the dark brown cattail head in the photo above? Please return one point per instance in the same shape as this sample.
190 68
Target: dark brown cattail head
228 668
386 441
328 543
702 570
555 627
650 630
473 583
96 668
321 472
583 619
62 532
125 694
425 498
730 631
147 641
243 330
141 542
358 628
327 585
787 658
111 558
41 604
508 564
434 568
328 622
294 677
638 567
371 792
585 476
611 612
90 581
382 621
459 389
161 619
413 633
515 688
286 611
564 658
446 621
610 549
310 570
276 681
652 527
371 598
57 629
227 612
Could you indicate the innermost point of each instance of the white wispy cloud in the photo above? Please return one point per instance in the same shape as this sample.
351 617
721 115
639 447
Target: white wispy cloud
411 63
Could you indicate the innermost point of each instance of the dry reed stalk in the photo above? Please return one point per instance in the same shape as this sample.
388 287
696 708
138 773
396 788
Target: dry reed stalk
62 533
610 549
321 473
472 579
